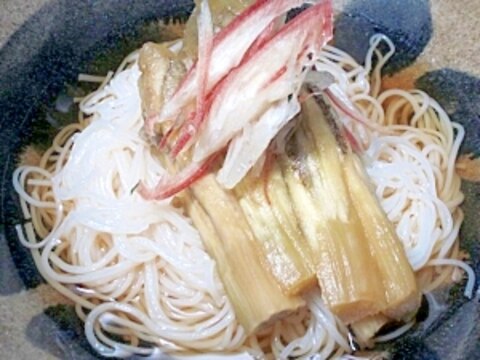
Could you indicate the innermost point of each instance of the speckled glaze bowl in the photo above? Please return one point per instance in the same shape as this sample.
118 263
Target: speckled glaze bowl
46 43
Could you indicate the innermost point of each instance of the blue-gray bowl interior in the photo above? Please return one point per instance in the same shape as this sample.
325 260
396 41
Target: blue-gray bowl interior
43 58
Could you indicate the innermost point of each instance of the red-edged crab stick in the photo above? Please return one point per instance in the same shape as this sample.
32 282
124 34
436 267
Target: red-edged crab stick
263 68
228 49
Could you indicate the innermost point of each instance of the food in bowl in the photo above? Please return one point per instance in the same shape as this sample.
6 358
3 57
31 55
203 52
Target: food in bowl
252 193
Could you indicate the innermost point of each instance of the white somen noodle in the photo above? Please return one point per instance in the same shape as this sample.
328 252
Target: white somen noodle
137 269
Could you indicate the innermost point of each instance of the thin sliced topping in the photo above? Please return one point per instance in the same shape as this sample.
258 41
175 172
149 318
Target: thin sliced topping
205 46
275 73
245 85
229 48
248 147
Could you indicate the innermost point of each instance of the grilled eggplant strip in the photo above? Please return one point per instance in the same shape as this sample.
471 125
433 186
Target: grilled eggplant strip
253 292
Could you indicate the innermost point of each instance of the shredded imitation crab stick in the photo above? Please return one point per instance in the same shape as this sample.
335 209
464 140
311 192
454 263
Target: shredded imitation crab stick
263 78
205 45
193 122
228 49
190 127
271 77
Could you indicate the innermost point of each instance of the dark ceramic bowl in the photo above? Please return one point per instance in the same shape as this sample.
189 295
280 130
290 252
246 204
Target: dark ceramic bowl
437 47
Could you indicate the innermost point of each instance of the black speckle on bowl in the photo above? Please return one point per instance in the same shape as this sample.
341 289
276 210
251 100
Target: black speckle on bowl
459 94
413 349
407 23
60 332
